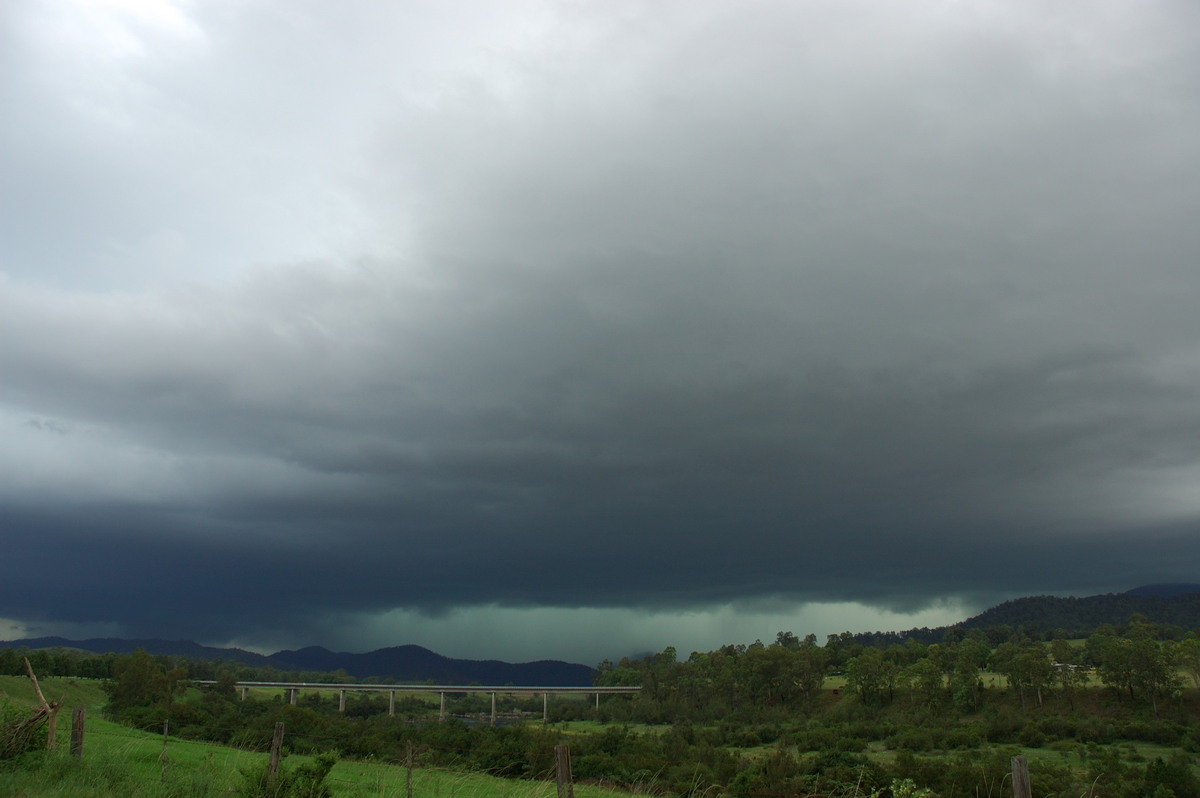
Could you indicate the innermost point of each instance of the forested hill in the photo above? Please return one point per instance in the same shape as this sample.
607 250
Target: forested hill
396 664
1081 616
1050 616
414 664
1045 617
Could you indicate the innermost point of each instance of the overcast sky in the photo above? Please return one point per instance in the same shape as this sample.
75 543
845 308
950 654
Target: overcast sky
577 329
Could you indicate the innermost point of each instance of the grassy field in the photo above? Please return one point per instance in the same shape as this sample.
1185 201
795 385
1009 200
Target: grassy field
124 762
120 761
18 691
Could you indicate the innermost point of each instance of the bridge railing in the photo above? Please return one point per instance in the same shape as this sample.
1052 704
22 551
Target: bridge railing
293 691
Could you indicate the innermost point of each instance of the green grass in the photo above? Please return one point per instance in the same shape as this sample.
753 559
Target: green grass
124 762
18 691
119 761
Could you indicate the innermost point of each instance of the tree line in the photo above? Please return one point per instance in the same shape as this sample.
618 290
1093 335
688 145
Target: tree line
88 665
1136 661
788 718
792 717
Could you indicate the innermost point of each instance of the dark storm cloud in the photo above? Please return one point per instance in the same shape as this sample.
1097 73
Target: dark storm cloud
664 308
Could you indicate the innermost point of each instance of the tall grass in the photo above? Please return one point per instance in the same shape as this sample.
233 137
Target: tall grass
123 773
120 762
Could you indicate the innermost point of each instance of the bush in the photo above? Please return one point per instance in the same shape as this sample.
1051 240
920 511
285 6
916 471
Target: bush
20 731
305 781
1031 737
1174 774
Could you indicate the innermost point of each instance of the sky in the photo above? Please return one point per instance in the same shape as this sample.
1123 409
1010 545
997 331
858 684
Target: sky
526 329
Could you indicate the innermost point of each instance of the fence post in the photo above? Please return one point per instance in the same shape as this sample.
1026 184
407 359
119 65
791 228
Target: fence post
163 757
1020 776
51 729
408 763
78 716
562 770
51 710
276 747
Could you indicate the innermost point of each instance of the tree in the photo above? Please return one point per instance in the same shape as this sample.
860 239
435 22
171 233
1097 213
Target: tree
965 685
1188 656
1026 667
1067 670
787 640
811 662
872 677
926 680
139 681
1111 654
1136 664
1152 671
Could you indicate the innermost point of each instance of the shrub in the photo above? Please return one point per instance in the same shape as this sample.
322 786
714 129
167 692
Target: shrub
305 781
20 731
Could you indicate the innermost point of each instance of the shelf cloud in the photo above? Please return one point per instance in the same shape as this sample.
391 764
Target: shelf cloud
482 325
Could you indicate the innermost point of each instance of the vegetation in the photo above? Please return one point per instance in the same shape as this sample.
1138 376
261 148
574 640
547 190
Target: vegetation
1110 715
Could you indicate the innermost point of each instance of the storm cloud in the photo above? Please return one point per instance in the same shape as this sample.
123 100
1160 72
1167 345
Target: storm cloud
524 320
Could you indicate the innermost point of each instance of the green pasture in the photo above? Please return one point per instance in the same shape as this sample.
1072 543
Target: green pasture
126 762
119 761
18 691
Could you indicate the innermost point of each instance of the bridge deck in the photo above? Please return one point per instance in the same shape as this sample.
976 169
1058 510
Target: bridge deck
428 688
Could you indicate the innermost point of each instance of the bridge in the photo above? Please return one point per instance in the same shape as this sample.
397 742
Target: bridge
293 691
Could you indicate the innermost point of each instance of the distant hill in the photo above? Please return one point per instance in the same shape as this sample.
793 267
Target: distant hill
414 664
1166 590
397 664
171 648
1178 605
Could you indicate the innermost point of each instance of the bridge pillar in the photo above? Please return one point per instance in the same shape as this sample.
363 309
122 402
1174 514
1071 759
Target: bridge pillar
245 692
391 703
493 709
597 700
342 701
442 712
293 693
545 708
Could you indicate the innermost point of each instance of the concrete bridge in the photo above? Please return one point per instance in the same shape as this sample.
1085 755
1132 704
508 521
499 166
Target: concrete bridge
293 691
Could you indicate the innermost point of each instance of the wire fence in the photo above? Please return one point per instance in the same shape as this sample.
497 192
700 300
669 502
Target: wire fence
409 772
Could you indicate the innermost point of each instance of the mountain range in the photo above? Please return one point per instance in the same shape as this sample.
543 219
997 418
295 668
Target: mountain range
1173 604
396 664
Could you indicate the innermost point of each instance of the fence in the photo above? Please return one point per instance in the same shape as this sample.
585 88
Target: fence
562 776
562 772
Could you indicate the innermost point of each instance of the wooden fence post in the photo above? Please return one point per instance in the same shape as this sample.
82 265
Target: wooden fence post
162 759
51 710
408 764
78 716
276 747
1020 776
562 770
